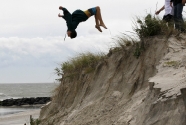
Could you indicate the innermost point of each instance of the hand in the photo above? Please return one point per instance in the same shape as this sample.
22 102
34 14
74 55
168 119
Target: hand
157 12
59 15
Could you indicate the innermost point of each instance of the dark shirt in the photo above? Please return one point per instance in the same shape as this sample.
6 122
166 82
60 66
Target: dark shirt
175 2
73 19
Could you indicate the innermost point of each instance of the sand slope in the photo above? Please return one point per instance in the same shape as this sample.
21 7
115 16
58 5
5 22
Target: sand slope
125 90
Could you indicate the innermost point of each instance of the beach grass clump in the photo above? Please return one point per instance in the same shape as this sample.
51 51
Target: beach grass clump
125 40
138 50
150 26
34 121
143 28
171 64
86 62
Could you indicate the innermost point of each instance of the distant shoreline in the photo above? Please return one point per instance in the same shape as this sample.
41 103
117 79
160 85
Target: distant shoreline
8 110
19 117
25 101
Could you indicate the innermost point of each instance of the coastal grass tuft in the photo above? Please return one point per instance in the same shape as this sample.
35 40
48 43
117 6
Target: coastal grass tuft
171 64
150 26
143 27
86 62
34 121
125 40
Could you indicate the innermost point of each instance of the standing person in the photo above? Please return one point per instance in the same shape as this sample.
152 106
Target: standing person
178 19
78 16
169 12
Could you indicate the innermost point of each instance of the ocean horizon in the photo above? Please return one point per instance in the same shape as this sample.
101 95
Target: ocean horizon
23 90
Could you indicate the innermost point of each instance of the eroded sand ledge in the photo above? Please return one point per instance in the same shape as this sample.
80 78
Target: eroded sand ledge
127 91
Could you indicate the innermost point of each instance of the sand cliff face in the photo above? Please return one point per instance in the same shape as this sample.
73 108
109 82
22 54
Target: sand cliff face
125 90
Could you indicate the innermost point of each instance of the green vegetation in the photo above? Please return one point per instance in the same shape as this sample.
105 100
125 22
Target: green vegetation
150 26
143 28
125 40
171 64
86 62
138 50
34 121
147 27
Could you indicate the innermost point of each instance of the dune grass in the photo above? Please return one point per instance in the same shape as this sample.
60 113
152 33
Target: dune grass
150 26
124 40
86 62
34 121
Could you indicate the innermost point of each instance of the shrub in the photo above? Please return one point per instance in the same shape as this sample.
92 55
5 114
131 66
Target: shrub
150 26
34 121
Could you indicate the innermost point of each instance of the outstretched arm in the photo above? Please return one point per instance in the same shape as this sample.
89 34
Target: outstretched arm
66 13
67 17
157 12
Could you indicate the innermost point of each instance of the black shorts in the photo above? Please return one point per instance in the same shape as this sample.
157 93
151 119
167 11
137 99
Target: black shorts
168 18
92 11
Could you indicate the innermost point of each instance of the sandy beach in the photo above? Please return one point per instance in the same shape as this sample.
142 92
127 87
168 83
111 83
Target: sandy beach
19 118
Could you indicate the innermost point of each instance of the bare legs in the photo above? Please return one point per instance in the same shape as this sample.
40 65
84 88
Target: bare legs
99 20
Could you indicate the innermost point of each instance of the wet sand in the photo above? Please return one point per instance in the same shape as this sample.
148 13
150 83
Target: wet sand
19 118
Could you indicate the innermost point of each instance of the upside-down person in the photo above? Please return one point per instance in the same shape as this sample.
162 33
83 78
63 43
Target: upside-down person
78 16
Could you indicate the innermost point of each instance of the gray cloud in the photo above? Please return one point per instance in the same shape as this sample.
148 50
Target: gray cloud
44 53
32 36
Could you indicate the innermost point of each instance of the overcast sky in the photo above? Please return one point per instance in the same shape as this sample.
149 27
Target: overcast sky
32 35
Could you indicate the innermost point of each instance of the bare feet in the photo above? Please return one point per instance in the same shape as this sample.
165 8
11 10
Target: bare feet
98 28
103 25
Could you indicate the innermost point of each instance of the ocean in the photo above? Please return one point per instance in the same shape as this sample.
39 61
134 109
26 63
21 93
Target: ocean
21 90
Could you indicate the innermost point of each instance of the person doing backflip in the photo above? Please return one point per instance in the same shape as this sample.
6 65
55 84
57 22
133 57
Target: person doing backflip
79 16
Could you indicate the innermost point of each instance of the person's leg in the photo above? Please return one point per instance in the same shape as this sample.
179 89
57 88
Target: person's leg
175 17
179 16
171 22
97 23
99 17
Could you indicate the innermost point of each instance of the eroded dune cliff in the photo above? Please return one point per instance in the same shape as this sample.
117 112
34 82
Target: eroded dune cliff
125 90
